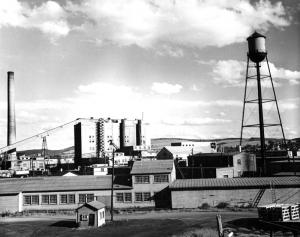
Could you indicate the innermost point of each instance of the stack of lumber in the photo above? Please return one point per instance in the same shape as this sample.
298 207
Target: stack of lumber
278 212
294 212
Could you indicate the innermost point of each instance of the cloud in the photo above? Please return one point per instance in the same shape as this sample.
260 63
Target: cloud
232 73
147 23
50 18
165 88
167 50
195 88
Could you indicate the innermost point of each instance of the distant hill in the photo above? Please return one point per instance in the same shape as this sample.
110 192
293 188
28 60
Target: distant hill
49 152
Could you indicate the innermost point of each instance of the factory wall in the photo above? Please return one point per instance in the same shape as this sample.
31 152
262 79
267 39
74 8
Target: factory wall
9 203
235 197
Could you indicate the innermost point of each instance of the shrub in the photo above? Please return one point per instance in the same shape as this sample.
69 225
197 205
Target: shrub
205 206
222 205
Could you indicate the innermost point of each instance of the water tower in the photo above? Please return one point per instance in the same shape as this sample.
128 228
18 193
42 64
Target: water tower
257 54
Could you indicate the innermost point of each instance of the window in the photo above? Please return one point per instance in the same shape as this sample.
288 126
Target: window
139 179
128 197
142 197
35 200
146 197
83 198
45 199
119 197
27 200
71 198
53 199
239 162
138 197
89 197
123 197
63 199
67 198
83 217
161 178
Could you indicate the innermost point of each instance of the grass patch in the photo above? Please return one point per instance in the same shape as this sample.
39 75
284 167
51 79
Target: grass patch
204 232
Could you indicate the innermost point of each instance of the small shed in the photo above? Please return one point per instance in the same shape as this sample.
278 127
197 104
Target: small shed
91 214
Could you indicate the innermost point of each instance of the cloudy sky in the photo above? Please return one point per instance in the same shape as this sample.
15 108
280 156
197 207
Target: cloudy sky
180 63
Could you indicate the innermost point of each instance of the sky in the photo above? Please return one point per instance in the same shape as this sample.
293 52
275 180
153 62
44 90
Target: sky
179 65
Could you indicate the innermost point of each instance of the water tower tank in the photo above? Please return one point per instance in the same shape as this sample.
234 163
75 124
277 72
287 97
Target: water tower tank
257 47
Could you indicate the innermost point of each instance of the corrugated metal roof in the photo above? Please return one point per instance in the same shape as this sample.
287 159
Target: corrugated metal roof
57 183
232 183
152 167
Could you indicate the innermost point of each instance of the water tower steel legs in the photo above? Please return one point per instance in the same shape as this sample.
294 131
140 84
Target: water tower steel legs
261 120
260 102
275 98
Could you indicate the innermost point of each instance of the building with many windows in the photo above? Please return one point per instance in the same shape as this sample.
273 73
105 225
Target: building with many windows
92 137
150 181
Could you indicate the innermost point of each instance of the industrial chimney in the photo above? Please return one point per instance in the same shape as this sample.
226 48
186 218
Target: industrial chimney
11 118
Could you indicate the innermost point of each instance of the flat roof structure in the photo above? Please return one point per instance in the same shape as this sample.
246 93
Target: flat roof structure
152 167
57 183
235 183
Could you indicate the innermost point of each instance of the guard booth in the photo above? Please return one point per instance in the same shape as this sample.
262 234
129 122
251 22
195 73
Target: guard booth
91 214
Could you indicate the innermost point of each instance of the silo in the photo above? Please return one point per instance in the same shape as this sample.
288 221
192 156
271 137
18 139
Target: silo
11 119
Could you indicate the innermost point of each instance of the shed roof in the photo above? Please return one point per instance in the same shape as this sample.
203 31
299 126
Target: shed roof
57 183
95 205
233 183
152 167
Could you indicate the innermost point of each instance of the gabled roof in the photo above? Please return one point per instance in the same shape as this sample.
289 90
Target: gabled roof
233 183
95 205
57 183
152 167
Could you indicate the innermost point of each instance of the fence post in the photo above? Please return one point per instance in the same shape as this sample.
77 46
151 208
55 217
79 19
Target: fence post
220 227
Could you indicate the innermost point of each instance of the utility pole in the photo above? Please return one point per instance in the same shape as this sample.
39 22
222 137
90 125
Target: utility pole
112 181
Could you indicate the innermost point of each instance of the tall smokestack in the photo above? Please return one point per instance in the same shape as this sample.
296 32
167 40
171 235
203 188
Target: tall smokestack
11 118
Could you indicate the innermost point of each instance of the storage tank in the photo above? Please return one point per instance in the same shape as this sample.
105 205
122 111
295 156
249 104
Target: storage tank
257 47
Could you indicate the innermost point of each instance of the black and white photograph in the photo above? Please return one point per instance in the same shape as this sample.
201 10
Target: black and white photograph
149 118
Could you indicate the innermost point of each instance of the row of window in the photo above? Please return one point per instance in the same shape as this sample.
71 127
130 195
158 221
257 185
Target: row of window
158 178
139 197
52 199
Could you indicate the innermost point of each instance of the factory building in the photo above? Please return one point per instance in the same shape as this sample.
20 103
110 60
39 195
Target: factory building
149 188
181 152
150 182
92 137
193 193
222 165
